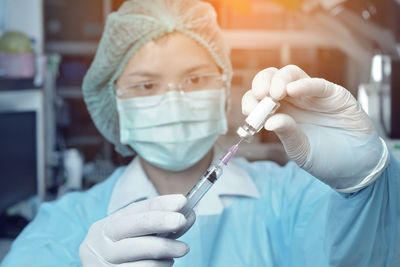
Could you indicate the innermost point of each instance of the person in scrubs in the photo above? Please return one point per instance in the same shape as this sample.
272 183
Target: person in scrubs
159 88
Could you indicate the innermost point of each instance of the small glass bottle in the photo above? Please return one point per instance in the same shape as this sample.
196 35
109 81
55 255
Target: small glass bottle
257 118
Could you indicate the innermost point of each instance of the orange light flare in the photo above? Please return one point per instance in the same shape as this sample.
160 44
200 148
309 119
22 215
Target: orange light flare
245 6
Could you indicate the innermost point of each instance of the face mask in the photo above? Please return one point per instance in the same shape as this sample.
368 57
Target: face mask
178 131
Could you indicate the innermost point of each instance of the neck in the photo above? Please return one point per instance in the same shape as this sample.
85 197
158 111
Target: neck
176 182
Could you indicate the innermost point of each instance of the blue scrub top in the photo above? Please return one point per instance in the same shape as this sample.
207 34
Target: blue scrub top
297 221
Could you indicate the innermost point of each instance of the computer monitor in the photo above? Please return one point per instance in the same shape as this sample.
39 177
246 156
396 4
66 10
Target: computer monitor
21 146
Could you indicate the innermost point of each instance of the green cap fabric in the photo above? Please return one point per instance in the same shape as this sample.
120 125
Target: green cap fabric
135 23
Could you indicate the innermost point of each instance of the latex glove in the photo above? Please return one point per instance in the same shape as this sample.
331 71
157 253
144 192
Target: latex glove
127 237
322 127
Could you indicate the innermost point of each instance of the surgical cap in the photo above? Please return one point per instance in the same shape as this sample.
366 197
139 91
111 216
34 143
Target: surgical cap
135 23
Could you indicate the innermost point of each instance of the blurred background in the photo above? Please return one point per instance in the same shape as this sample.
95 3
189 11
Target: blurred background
48 143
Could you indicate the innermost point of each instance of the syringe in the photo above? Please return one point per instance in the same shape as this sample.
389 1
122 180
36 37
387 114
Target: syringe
203 185
253 124
206 181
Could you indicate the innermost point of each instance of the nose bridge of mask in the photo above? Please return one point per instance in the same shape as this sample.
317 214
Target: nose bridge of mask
184 132
175 156
196 106
174 105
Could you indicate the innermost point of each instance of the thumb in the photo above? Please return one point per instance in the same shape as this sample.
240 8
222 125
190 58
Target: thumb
294 140
191 218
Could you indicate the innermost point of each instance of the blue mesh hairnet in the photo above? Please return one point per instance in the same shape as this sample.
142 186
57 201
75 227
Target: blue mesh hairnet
135 23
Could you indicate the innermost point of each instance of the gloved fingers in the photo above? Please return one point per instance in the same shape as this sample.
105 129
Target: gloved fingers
191 218
314 87
294 140
249 102
143 248
282 78
261 82
89 257
173 202
145 223
338 106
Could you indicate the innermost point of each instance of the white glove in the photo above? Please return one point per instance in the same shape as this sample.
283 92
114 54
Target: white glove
127 237
322 127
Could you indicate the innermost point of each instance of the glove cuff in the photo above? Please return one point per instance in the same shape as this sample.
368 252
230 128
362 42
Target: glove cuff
375 173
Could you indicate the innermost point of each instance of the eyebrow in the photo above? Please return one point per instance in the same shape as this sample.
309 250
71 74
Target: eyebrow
198 67
156 75
143 74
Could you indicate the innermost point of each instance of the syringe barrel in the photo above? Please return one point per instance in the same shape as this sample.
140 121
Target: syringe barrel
197 192
201 188
256 119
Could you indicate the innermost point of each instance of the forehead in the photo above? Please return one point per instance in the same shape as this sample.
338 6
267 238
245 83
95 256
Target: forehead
172 53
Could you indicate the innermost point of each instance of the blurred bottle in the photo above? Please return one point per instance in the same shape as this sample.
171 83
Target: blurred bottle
17 58
73 166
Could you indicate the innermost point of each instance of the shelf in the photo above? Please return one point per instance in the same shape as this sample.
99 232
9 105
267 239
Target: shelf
72 48
16 84
70 92
83 141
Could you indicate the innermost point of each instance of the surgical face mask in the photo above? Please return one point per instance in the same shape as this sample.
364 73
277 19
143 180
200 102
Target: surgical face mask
176 133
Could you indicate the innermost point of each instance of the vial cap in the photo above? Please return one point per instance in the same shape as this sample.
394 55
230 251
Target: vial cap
242 133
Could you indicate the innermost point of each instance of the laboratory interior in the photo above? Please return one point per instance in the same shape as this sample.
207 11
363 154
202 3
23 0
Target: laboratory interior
49 145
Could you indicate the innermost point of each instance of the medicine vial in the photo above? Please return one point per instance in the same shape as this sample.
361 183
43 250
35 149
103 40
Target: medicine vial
257 118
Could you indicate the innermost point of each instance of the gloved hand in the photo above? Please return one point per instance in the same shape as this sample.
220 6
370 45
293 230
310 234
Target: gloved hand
322 127
127 237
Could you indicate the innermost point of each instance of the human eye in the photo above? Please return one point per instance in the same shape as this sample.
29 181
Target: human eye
197 80
144 86
148 86
203 82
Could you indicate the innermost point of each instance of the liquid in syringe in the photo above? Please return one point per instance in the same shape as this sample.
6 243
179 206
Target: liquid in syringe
253 124
207 180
